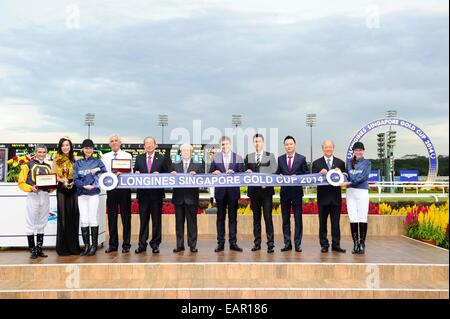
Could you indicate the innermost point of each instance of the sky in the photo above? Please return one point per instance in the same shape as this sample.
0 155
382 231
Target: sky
270 61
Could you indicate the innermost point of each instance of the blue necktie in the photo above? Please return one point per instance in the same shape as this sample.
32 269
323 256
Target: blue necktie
329 163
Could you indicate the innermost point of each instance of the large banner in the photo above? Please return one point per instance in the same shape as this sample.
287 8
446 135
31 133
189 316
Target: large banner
433 158
409 176
374 176
109 181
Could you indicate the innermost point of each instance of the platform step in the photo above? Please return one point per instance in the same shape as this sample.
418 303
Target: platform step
182 293
265 280
393 267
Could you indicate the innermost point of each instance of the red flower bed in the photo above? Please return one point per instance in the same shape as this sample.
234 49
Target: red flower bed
168 208
313 208
413 216
374 209
308 208
134 206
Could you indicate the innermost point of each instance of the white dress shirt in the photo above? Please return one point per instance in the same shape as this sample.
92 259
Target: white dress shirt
108 157
331 161
292 160
186 164
226 160
260 156
146 159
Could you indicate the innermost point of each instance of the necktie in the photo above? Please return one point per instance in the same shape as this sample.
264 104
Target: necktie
186 166
329 163
289 163
115 155
149 164
258 159
226 161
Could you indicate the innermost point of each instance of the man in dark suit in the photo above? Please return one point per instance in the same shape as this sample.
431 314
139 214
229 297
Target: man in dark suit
150 200
291 163
329 199
186 201
118 199
261 197
226 162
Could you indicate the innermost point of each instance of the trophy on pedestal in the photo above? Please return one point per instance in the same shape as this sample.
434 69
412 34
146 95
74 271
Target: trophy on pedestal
65 174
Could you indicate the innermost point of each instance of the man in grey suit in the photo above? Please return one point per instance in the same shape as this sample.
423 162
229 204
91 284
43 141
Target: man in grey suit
261 161
186 201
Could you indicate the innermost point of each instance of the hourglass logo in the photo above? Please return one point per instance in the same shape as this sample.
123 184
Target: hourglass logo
108 181
335 177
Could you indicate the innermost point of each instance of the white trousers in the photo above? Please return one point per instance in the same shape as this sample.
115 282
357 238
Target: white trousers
88 206
38 207
357 205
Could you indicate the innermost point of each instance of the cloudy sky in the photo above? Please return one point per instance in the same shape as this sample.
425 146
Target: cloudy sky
271 61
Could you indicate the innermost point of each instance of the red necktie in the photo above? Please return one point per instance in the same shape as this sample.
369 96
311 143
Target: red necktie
289 163
149 164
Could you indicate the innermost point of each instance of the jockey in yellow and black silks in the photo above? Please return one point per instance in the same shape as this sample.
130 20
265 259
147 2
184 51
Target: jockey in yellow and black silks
38 203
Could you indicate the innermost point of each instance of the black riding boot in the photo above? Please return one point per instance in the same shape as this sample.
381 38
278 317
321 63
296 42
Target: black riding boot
40 243
32 247
86 240
354 230
93 250
362 237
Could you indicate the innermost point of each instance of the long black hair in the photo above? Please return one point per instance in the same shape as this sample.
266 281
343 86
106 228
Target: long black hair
60 151
353 162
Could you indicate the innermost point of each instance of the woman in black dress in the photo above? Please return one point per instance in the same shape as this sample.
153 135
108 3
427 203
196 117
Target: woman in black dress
67 241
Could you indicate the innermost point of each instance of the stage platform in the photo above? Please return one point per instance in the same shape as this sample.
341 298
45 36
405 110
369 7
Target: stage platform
393 267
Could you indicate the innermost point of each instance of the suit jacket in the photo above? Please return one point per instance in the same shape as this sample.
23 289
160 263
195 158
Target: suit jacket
268 165
328 195
299 167
237 165
188 196
160 164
